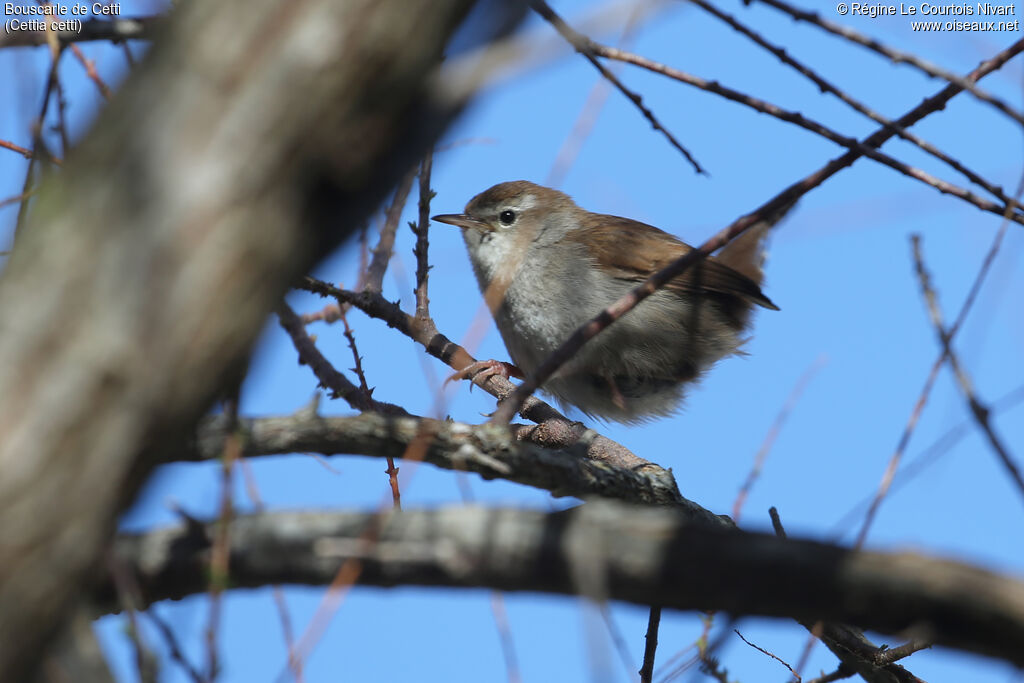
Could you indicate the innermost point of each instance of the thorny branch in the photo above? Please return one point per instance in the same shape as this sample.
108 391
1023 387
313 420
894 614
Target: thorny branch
552 428
796 118
827 87
581 43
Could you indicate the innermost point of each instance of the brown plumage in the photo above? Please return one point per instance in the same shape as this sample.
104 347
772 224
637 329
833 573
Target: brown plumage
546 266
632 250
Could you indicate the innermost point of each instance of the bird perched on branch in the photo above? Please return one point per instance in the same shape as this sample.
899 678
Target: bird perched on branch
546 267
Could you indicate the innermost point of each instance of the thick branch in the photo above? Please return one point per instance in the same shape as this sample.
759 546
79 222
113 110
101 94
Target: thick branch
563 465
489 450
642 555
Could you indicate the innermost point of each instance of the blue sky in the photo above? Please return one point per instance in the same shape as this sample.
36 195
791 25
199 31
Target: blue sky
839 268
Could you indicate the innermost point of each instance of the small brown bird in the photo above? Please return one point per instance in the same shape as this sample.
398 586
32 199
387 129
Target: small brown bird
546 266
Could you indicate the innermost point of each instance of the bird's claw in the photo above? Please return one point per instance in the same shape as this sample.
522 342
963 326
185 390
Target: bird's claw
483 369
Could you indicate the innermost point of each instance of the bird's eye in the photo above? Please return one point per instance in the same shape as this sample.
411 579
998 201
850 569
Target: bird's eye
507 217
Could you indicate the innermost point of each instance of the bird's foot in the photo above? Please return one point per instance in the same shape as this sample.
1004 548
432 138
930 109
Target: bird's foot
483 369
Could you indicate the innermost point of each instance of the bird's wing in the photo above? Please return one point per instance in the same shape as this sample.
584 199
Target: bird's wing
632 250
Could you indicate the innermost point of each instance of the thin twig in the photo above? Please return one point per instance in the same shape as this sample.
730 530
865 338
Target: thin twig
702 645
356 358
90 71
252 490
62 124
896 56
287 632
128 56
681 668
772 435
770 654
582 45
17 199
173 647
421 229
27 153
650 644
386 244
508 649
816 629
894 654
585 122
342 582
87 64
908 430
391 471
620 643
364 257
798 119
339 587
129 596
39 149
901 447
220 551
330 378
931 454
827 87
331 313
979 410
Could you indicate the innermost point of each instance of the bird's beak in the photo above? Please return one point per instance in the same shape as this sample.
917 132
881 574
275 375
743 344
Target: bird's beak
461 220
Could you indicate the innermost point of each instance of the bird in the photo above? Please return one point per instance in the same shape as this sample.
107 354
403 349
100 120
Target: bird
546 266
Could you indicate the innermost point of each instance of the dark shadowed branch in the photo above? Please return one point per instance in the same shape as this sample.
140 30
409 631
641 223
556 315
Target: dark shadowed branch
642 555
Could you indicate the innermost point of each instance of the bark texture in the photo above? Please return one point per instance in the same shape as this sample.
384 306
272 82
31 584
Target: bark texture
255 136
603 550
